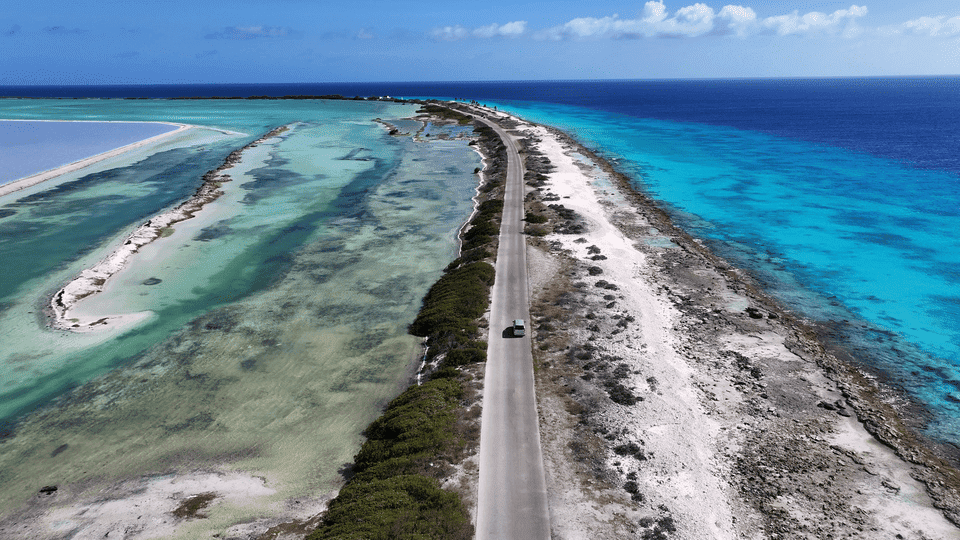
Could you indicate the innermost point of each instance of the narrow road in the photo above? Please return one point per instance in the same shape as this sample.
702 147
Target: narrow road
512 493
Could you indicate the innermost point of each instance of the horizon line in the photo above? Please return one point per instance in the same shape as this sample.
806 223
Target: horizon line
482 81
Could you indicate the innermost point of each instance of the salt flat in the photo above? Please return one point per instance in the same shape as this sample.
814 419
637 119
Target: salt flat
34 151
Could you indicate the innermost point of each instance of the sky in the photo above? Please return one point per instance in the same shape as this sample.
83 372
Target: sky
255 41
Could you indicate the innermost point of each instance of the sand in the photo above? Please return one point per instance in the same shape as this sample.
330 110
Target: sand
145 507
738 432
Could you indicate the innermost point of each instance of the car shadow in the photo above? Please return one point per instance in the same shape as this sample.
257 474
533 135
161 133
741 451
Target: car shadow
508 333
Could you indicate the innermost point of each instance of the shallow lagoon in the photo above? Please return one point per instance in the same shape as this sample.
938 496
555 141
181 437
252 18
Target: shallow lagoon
279 313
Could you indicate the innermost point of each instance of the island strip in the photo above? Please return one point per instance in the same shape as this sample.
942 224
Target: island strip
677 400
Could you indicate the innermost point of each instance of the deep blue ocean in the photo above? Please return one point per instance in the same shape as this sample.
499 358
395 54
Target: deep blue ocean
841 196
913 120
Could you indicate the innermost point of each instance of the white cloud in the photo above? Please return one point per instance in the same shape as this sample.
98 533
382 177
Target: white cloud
582 27
927 26
690 21
815 21
452 33
511 29
737 20
700 19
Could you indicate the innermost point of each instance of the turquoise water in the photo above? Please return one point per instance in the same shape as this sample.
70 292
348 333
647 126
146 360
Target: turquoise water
27 148
275 319
839 236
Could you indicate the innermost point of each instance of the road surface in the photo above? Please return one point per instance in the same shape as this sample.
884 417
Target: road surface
512 500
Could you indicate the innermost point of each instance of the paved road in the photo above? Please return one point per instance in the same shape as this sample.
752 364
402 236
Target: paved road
512 494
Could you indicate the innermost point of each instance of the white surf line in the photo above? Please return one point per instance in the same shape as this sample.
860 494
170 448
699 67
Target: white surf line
43 176
92 280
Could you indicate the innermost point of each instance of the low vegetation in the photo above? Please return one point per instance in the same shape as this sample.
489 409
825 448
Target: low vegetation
191 506
484 227
450 311
289 97
536 218
446 113
496 163
394 493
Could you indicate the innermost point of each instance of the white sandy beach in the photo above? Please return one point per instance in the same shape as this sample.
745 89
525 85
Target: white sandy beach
40 177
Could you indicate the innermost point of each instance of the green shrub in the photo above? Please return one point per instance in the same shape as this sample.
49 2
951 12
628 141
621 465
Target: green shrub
388 496
490 208
490 186
409 507
476 352
535 218
621 394
418 421
467 257
445 373
390 467
453 303
484 226
444 112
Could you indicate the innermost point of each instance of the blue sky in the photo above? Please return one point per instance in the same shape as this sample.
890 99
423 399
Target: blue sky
198 41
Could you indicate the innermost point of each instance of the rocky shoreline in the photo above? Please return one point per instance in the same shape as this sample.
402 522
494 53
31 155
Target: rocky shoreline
92 280
677 400
882 410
